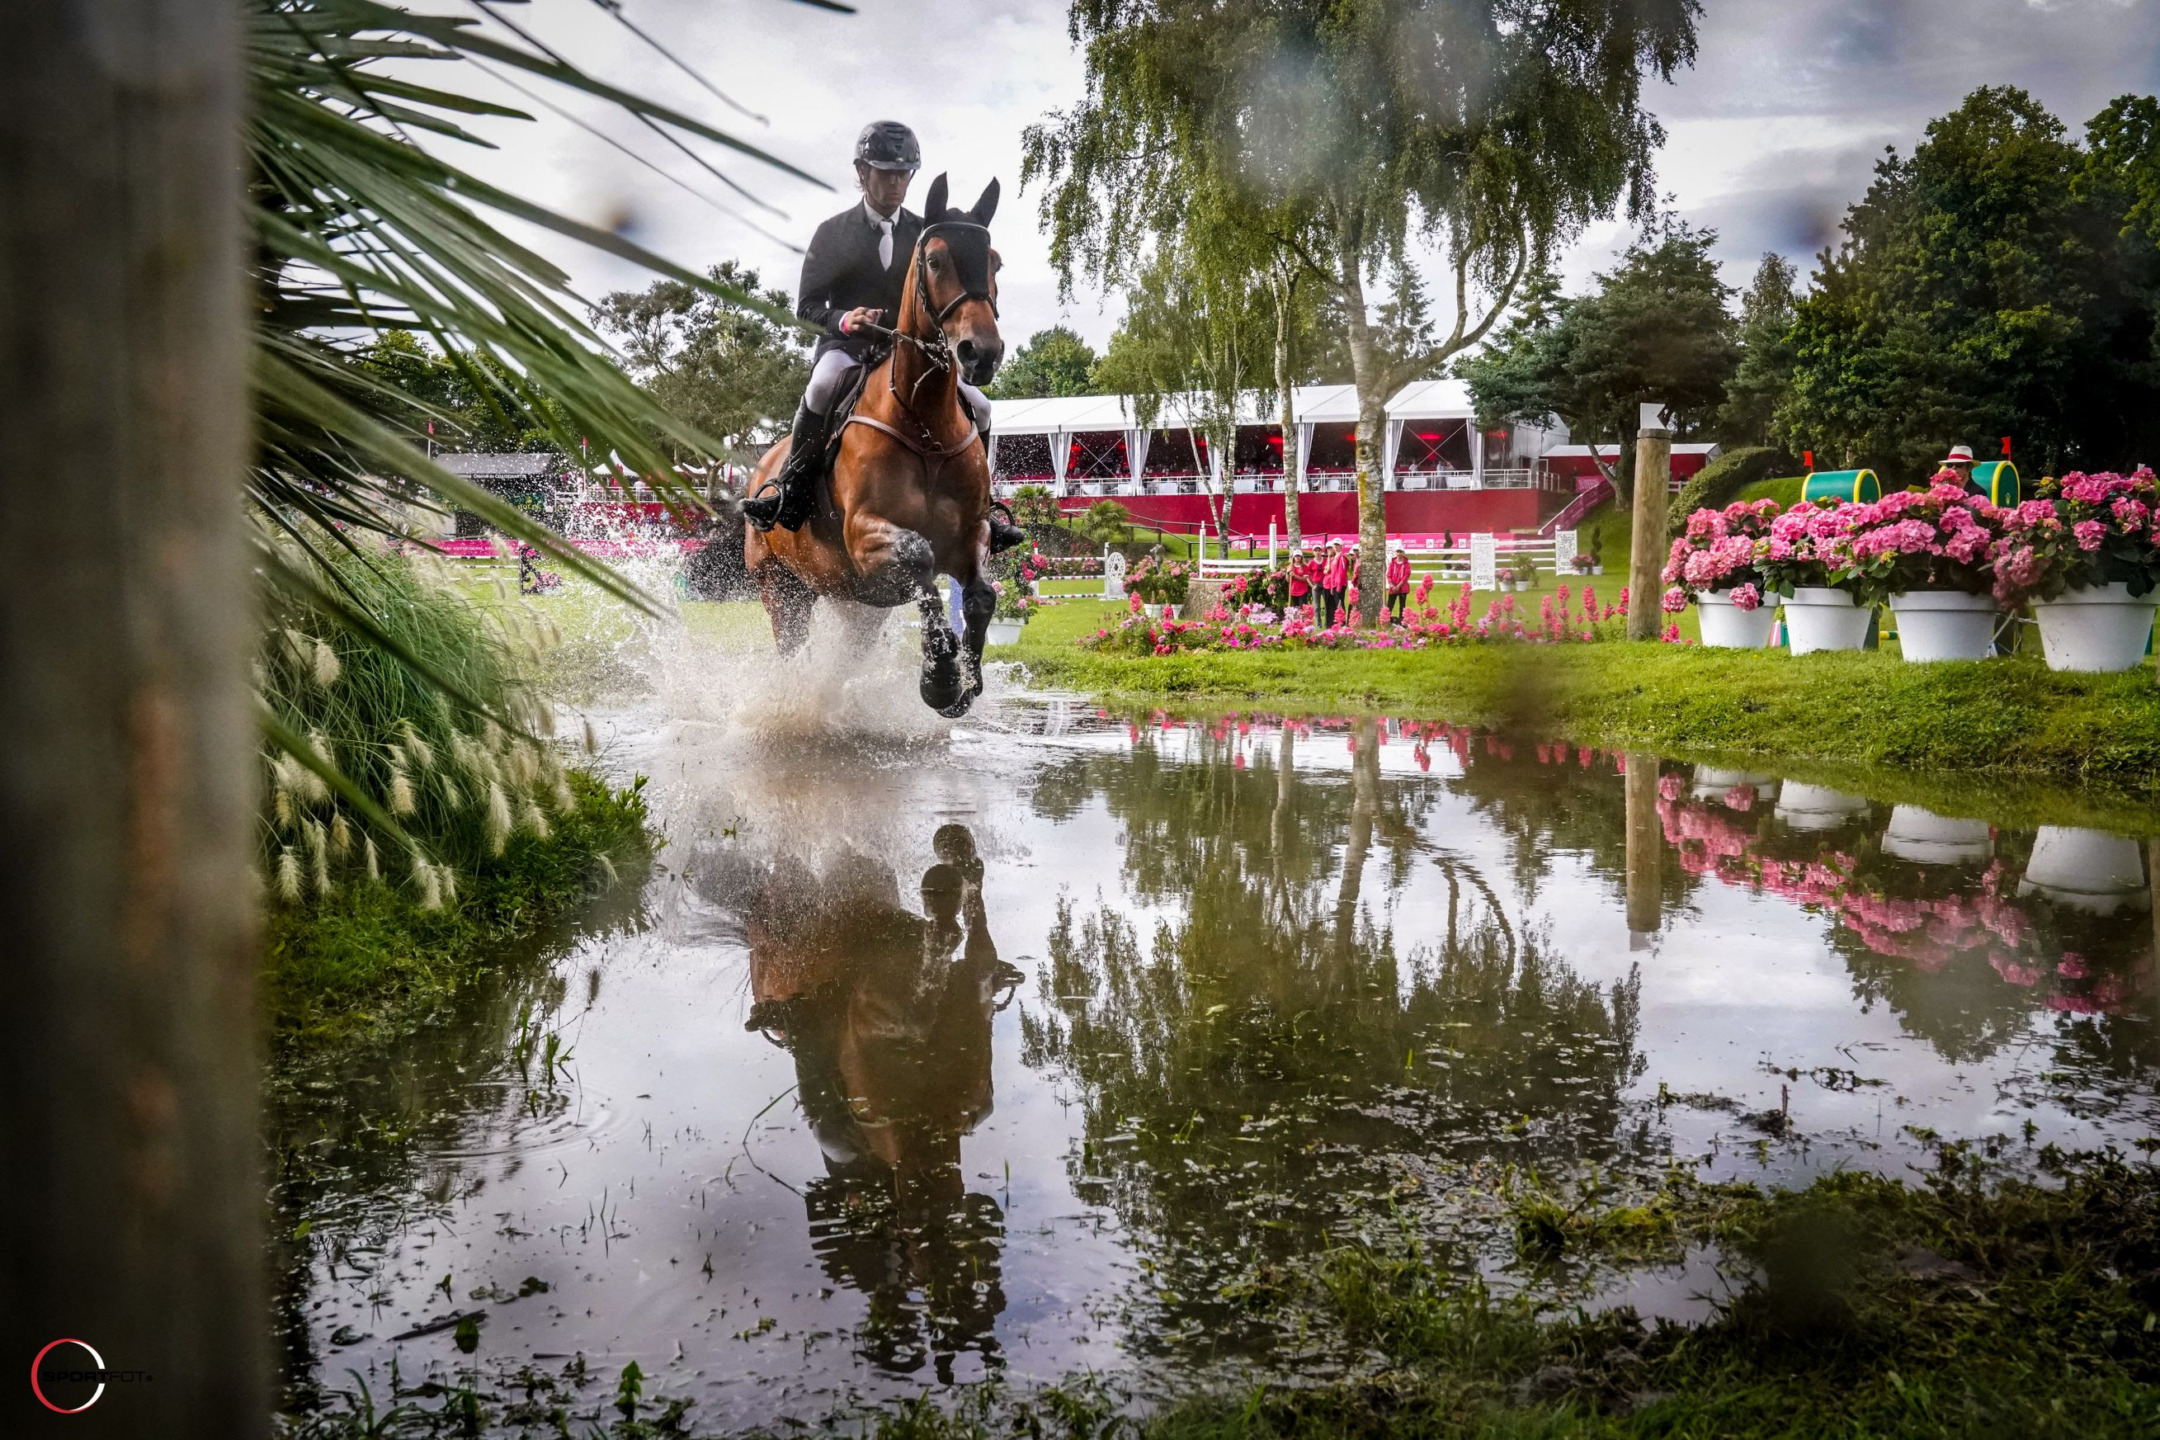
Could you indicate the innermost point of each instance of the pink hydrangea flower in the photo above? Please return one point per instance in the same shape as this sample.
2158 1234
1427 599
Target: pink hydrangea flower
1746 597
2091 534
1675 600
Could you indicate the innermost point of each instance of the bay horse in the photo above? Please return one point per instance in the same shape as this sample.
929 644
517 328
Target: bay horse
908 498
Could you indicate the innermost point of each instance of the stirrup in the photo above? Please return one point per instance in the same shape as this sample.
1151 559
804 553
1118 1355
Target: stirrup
762 510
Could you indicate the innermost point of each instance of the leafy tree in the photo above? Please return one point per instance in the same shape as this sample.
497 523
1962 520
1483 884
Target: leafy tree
1655 329
1357 134
458 402
1766 353
733 373
1055 361
1986 287
1188 349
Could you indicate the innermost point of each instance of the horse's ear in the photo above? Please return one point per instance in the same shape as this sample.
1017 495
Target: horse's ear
933 208
987 205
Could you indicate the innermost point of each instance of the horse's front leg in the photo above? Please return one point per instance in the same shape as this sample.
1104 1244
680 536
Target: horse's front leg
978 602
892 566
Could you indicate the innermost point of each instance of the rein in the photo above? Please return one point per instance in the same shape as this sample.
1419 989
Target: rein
937 350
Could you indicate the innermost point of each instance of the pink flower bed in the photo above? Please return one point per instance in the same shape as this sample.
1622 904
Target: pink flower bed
1563 618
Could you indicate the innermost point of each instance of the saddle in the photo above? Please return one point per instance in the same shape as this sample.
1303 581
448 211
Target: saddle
837 422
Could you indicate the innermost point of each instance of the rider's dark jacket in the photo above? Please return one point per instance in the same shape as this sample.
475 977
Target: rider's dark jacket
841 271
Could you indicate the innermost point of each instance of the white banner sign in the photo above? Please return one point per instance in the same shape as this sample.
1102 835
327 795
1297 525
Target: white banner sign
1563 549
1484 563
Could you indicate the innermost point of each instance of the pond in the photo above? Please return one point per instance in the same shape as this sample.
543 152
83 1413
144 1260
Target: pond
1018 1049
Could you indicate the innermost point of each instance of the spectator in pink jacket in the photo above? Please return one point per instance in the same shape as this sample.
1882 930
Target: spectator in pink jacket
1334 576
1398 584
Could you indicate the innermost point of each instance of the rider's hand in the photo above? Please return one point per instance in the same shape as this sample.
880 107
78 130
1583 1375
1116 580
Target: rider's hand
860 315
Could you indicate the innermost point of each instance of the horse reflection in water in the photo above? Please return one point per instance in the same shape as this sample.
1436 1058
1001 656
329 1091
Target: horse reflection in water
888 1015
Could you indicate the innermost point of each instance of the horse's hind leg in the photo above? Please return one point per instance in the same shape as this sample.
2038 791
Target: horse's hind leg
787 604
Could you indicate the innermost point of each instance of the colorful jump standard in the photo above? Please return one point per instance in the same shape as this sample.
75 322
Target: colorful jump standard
1653 487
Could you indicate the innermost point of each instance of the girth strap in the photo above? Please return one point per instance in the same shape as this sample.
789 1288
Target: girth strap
940 453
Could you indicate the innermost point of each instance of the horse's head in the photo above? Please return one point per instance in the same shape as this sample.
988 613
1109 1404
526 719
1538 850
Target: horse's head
956 280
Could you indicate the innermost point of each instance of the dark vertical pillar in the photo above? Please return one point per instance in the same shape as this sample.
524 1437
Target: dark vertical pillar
128 1070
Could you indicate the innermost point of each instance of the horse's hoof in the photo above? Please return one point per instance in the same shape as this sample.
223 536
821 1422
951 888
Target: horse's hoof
942 697
958 708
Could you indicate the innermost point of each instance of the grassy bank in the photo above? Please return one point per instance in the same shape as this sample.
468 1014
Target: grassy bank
2008 719
368 954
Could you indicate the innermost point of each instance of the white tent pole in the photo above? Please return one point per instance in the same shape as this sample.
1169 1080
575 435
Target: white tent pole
1060 453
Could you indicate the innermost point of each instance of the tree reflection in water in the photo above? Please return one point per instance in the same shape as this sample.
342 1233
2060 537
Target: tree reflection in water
1269 1069
887 1013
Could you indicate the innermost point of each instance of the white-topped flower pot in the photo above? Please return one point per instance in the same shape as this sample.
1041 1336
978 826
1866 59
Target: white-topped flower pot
1004 632
1945 625
1925 838
1817 807
1725 626
1820 618
2087 870
2098 628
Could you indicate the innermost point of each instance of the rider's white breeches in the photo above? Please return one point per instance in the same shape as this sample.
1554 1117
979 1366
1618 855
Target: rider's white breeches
829 378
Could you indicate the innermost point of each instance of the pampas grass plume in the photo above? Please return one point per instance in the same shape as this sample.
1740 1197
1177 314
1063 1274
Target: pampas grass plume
374 862
340 835
326 664
288 876
401 796
422 752
498 818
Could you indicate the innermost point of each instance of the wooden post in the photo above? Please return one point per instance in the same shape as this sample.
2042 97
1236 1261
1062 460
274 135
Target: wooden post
1653 492
1645 851
128 1045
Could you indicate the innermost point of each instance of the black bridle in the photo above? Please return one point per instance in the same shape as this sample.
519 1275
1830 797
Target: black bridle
937 350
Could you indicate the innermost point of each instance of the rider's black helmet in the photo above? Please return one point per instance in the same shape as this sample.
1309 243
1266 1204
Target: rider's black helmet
888 145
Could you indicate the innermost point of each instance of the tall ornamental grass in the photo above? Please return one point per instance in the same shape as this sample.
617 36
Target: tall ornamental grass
434 775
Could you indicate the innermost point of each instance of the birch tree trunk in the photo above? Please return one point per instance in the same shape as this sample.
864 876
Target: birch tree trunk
128 1071
1285 298
1369 369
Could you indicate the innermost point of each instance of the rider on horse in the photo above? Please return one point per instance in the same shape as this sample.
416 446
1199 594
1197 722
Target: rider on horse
851 284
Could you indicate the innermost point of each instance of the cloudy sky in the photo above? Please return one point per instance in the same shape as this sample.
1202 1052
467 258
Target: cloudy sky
1771 134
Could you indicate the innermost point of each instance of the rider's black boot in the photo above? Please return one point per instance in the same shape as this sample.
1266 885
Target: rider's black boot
1003 533
797 480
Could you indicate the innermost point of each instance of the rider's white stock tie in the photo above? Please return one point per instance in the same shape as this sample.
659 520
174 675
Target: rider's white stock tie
884 244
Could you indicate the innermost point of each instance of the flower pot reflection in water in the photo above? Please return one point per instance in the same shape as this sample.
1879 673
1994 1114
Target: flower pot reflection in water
1736 789
1817 807
1925 838
2088 870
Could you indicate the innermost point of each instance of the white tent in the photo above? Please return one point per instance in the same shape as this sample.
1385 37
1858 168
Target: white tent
1060 418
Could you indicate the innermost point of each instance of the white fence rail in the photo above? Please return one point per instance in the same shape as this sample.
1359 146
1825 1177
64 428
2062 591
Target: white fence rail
1447 564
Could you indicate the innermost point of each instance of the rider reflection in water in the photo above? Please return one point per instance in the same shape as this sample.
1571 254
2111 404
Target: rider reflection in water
888 1015
851 282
